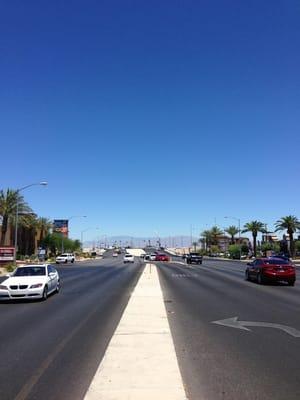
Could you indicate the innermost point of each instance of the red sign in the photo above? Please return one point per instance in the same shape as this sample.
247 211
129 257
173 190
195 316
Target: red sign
7 253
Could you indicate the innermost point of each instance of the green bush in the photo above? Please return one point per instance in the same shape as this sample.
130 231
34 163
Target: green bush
234 251
268 246
10 267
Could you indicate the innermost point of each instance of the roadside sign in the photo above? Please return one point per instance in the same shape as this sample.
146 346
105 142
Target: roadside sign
7 253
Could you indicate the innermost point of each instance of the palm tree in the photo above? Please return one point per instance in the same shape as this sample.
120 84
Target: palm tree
195 246
207 238
254 227
27 234
291 224
8 208
232 231
43 226
215 232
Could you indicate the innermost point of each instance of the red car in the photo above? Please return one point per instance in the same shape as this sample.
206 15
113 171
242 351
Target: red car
271 269
162 257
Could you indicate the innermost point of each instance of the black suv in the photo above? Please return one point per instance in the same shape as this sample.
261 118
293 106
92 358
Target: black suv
194 258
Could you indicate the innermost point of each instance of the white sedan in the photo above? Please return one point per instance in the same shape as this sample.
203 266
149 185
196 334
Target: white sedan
30 282
128 258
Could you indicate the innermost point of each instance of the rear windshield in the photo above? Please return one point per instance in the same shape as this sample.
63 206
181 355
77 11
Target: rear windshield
30 271
277 262
128 255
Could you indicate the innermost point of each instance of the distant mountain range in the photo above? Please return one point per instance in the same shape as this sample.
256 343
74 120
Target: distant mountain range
170 241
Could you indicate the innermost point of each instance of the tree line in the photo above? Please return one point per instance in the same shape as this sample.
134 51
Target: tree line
290 224
31 228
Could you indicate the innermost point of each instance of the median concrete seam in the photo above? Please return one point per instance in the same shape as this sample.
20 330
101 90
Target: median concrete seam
140 362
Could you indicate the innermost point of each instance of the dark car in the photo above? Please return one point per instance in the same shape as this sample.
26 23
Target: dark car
162 257
194 258
271 269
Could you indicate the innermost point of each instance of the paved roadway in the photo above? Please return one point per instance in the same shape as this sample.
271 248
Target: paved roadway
219 362
51 350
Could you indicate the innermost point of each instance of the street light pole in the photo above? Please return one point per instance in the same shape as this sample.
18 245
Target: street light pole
239 222
81 235
43 183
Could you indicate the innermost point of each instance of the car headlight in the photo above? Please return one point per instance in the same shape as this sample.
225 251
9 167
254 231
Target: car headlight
2 287
36 285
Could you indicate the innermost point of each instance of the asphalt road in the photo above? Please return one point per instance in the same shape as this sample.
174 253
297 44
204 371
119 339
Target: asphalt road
51 350
219 362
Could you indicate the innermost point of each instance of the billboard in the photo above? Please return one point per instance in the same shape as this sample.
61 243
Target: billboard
7 253
61 226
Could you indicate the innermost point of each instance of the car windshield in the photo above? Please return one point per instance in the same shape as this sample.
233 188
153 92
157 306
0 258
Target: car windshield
30 271
277 262
63 255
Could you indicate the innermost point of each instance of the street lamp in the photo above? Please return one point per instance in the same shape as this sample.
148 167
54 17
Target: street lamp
43 183
239 222
81 235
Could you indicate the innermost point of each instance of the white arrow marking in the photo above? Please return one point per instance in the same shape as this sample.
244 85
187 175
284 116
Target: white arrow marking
234 323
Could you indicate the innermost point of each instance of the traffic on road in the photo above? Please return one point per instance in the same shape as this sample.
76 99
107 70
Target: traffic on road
218 320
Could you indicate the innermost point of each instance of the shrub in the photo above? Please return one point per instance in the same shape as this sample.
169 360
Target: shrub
10 267
234 251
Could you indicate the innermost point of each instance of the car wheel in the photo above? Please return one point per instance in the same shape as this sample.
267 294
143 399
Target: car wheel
45 293
56 262
291 283
247 277
72 261
66 261
57 287
260 279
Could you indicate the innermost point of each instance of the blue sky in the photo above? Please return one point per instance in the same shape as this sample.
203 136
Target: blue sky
151 116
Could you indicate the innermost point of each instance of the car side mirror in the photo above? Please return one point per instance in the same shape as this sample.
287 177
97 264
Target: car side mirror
7 275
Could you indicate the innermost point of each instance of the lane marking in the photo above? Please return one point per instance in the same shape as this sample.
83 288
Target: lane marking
233 322
140 362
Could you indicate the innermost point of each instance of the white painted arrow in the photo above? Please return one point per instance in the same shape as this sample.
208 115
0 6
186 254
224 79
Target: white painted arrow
234 323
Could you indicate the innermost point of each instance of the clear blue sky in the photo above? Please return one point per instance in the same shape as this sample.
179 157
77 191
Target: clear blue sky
151 116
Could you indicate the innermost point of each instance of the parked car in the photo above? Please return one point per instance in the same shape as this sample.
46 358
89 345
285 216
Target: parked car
153 257
162 257
271 269
194 258
65 258
115 254
30 282
128 258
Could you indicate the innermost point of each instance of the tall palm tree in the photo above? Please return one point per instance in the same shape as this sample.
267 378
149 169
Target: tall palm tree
27 232
207 238
215 232
254 227
195 246
232 231
43 226
291 224
8 208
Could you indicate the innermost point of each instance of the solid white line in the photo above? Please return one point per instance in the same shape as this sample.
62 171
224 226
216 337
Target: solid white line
140 362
